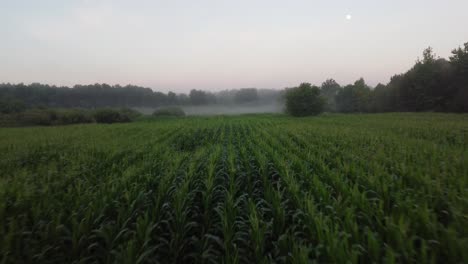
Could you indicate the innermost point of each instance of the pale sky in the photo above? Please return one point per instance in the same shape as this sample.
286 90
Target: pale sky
221 44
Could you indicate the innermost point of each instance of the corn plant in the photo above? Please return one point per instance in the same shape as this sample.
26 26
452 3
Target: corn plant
380 188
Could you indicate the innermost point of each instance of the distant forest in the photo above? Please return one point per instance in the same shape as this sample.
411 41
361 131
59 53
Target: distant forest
104 95
432 84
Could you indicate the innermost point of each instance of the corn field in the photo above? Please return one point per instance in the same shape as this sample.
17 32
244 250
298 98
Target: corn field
383 188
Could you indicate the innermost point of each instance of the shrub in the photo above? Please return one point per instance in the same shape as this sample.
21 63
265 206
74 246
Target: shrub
109 116
7 120
131 113
169 111
36 117
45 116
304 100
73 116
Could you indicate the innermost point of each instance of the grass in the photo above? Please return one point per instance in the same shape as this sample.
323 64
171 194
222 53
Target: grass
376 188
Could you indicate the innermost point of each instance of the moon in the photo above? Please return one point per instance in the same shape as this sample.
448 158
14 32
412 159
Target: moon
348 17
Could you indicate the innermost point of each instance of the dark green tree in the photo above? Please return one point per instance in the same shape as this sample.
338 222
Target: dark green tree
354 98
329 90
380 99
9 106
304 100
171 98
427 86
198 97
246 95
109 116
459 62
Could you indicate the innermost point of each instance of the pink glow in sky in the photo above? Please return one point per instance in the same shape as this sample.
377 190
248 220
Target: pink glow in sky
213 45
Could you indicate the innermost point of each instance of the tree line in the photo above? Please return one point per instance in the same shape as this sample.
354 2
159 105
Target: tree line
14 97
66 116
432 84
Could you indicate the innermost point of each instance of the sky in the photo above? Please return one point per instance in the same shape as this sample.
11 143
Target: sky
179 45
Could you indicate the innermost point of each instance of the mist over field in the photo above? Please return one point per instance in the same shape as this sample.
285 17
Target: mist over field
233 109
224 109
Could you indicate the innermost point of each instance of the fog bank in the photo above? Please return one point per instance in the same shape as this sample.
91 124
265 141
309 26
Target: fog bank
217 109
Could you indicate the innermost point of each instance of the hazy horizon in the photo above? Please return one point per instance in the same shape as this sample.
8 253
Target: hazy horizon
217 45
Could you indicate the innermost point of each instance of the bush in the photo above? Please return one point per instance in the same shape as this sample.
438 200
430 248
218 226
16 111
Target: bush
304 100
36 117
73 116
169 111
109 116
45 117
130 113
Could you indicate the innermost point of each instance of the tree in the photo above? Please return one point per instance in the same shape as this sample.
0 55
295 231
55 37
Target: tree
428 55
183 99
198 97
459 62
171 98
427 86
88 96
328 90
246 95
9 106
109 116
354 98
380 99
304 100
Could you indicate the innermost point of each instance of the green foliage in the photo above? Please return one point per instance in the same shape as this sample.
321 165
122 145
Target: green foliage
199 97
432 84
329 90
83 96
387 188
131 113
47 117
110 116
39 117
459 62
304 100
10 106
107 96
72 116
169 111
246 95
354 98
